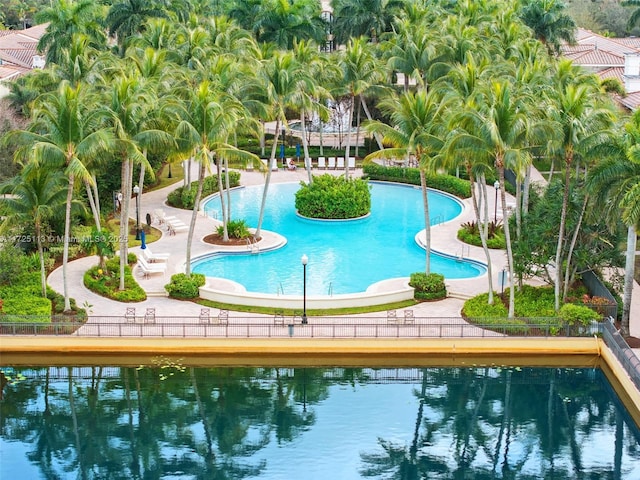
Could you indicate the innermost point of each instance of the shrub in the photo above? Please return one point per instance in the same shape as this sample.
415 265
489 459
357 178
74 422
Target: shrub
470 234
446 183
330 197
477 307
235 229
182 286
24 297
185 197
428 287
578 314
106 282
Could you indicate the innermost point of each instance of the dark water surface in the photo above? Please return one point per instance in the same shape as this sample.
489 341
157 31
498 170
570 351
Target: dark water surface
176 422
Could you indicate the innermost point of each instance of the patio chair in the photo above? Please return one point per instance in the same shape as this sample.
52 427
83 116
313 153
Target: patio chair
150 315
130 315
223 317
205 315
392 318
352 163
409 319
332 163
340 164
322 164
149 256
150 268
278 318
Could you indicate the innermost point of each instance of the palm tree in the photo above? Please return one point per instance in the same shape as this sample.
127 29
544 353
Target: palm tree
208 119
583 124
360 71
35 197
418 130
279 82
128 17
283 22
66 17
549 21
67 132
500 125
368 18
615 183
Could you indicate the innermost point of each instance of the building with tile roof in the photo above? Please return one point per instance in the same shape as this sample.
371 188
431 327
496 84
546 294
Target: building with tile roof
19 53
617 58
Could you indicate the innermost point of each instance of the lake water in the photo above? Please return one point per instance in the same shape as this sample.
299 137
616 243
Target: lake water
169 421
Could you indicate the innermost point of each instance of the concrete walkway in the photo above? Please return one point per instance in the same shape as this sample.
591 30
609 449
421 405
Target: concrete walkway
443 240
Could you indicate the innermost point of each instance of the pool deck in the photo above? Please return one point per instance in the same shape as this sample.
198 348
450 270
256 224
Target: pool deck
443 240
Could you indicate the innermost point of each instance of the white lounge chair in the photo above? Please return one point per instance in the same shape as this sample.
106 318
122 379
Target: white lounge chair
176 225
352 163
332 163
274 165
151 257
149 269
322 163
340 164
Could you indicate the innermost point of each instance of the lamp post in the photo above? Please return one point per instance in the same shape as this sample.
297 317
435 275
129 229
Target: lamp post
304 261
136 192
496 185
282 147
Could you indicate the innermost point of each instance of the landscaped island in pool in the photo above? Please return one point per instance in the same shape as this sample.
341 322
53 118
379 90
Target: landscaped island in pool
344 256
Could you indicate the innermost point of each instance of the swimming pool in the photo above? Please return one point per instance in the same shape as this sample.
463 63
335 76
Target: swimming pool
344 256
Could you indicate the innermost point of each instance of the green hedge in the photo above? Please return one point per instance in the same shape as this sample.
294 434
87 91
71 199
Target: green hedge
428 287
446 183
24 297
334 198
185 197
107 282
182 286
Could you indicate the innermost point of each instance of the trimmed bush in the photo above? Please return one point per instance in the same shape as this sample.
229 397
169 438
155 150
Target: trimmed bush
24 297
428 287
577 314
106 282
334 198
477 307
185 197
446 183
182 286
470 234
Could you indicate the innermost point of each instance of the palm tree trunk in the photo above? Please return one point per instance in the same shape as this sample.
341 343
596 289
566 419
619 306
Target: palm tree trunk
267 181
358 116
65 249
482 228
563 222
574 240
124 219
141 182
507 238
347 148
92 204
526 191
227 186
368 114
43 273
96 197
305 147
629 268
194 215
225 213
427 221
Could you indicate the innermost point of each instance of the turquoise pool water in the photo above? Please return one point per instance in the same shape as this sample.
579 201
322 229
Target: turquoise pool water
173 422
344 257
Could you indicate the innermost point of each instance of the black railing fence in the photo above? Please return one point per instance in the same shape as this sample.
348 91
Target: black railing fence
279 326
621 350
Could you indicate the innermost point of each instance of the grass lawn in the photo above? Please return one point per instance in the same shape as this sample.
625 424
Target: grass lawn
152 233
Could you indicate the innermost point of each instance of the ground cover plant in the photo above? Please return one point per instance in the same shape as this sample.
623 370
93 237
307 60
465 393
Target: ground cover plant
470 234
106 281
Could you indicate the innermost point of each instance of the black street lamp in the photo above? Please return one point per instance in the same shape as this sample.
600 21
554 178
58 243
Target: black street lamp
304 261
496 185
282 152
136 192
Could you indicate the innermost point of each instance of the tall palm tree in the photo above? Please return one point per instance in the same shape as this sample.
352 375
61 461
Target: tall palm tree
283 22
549 21
67 132
279 82
615 183
417 129
500 125
127 17
583 124
208 118
360 72
35 197
368 18
65 18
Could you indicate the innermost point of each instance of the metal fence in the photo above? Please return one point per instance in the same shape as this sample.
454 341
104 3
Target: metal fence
598 289
621 350
317 327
